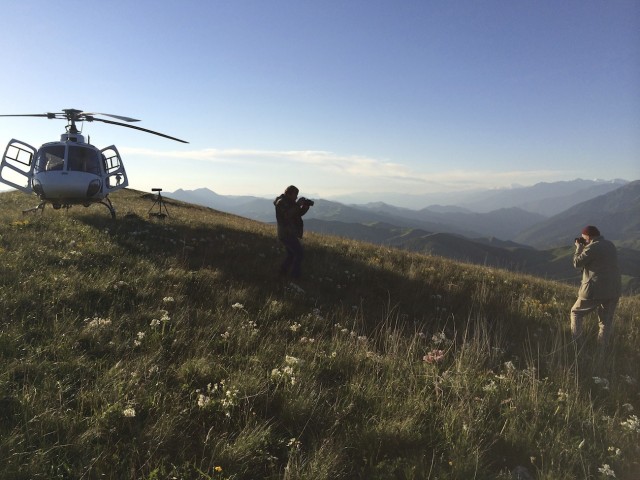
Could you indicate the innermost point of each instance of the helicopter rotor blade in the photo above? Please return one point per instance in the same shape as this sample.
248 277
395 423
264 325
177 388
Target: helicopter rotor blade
139 128
30 115
77 115
119 117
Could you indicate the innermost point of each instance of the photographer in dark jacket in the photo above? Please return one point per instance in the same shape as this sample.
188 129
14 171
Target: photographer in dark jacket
601 284
289 212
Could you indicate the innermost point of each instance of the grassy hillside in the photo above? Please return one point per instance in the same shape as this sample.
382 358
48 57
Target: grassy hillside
150 349
554 264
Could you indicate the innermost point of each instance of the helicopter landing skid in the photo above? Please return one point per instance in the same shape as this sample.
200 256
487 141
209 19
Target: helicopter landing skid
39 207
107 203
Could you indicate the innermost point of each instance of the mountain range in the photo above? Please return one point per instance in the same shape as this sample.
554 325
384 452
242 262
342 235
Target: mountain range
520 234
545 198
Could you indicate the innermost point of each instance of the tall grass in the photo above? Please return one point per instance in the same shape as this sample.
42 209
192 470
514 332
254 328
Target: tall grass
170 349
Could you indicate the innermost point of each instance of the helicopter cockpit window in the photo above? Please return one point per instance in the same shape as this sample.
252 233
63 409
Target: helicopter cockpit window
50 158
82 159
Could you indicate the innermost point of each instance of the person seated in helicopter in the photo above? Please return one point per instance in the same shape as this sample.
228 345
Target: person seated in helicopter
50 158
54 163
83 160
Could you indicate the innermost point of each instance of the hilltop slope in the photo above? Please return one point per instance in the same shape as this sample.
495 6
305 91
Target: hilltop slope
140 348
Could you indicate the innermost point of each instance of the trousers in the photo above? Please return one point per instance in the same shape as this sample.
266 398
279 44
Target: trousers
605 309
293 260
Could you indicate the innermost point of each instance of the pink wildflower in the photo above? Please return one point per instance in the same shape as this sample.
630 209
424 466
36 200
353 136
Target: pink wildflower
434 356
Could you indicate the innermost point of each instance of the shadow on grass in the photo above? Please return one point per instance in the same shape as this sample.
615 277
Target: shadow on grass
339 277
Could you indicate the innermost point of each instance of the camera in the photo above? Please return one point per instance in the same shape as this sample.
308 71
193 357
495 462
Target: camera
581 240
305 202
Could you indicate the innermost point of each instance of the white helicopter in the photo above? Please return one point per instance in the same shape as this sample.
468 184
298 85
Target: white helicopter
71 171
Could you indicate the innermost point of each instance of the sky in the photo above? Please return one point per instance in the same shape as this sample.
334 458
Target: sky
334 96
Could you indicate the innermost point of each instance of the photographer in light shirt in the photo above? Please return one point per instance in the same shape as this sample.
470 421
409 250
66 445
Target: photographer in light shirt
601 285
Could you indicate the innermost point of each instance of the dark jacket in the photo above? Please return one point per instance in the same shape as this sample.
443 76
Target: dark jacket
289 216
600 272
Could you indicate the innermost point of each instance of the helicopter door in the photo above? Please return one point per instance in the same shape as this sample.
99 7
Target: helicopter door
16 168
114 169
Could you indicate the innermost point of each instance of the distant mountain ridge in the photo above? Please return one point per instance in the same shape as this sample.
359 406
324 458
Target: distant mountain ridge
616 214
514 212
544 198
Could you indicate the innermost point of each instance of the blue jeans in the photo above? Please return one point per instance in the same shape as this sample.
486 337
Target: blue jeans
293 260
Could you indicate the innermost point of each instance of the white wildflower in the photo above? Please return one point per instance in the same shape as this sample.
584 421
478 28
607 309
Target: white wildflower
562 395
607 471
237 306
632 424
509 366
629 379
294 444
138 340
295 327
97 322
490 387
168 300
203 400
603 382
129 412
439 338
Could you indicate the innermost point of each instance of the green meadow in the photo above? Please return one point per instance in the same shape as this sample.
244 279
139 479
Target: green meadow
144 348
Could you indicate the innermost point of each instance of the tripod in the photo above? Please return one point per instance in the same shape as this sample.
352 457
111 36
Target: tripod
161 205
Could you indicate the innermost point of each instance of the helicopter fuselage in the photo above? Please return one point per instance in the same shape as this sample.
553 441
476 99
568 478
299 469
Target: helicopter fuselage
68 172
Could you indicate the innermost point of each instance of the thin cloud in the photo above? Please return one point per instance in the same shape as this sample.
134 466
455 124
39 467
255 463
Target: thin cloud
330 171
348 164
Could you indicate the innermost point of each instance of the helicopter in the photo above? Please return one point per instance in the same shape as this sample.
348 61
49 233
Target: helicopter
71 171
